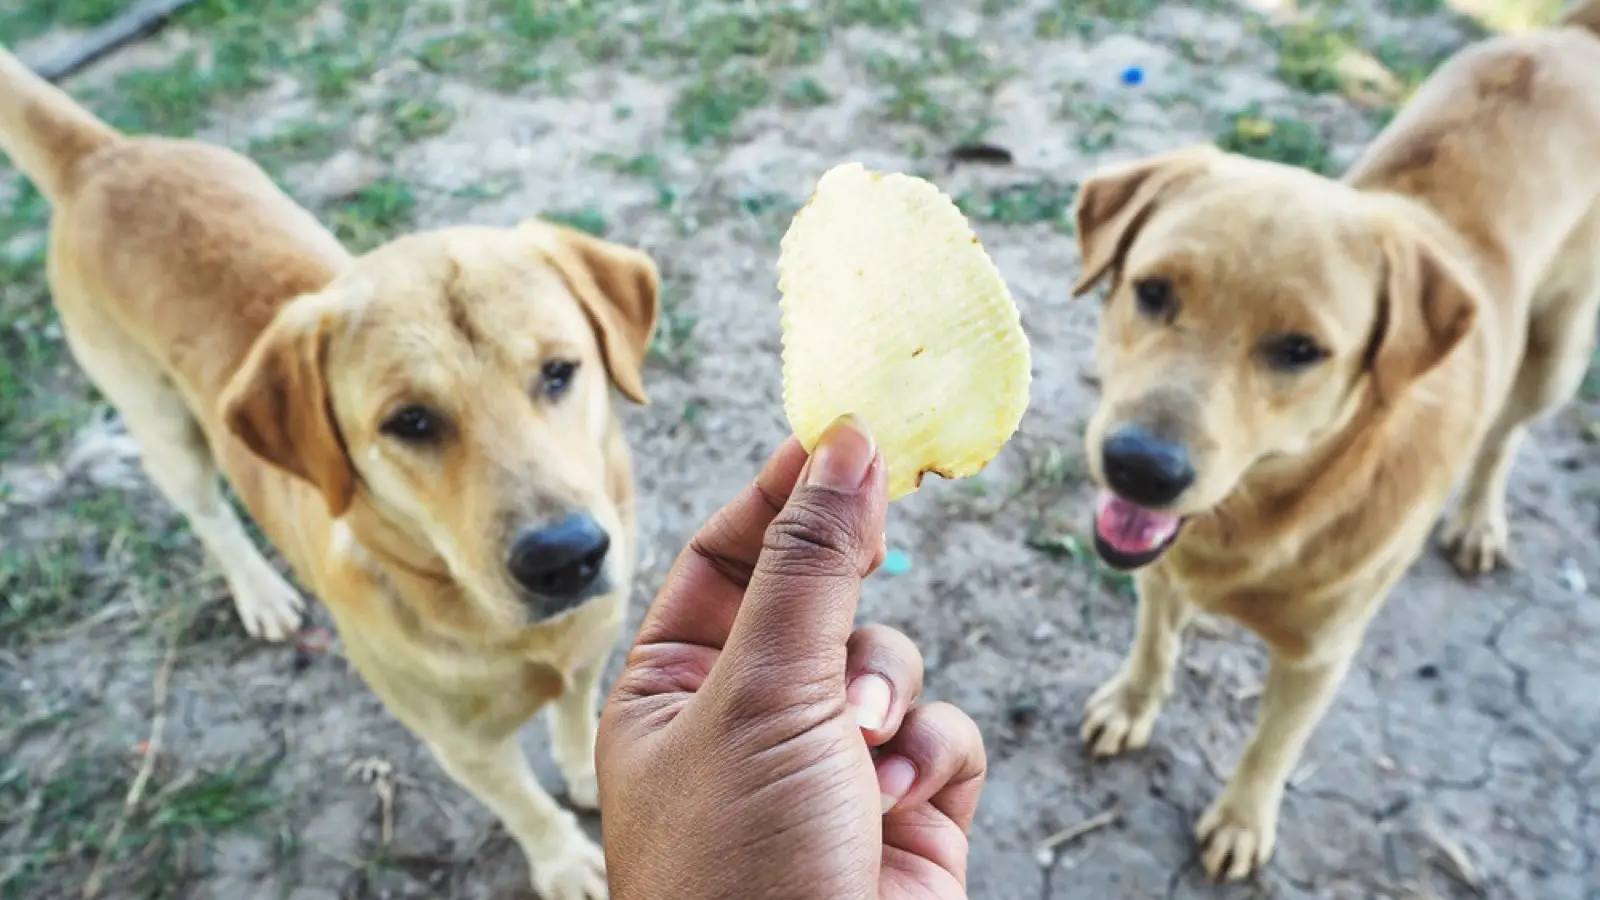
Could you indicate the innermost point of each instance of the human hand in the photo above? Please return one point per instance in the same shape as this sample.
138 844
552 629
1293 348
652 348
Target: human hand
753 744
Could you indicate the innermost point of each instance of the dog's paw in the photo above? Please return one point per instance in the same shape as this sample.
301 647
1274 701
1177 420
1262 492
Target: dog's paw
577 872
1119 717
583 788
268 607
1237 836
1477 545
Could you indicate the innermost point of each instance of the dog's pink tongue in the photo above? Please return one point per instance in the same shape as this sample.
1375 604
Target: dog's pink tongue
1131 529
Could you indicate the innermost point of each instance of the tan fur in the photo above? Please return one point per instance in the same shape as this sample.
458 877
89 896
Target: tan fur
1454 276
236 337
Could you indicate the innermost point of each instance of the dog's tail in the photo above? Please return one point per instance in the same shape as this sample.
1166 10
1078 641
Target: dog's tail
45 132
1585 15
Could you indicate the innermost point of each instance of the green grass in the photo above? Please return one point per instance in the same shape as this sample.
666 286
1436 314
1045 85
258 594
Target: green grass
24 19
1278 138
375 214
60 826
1029 203
1308 56
588 220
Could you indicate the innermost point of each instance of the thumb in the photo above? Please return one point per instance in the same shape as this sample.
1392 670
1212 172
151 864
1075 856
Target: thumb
788 642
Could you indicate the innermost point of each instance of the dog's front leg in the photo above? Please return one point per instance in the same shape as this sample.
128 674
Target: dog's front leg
574 722
1122 712
1239 830
565 864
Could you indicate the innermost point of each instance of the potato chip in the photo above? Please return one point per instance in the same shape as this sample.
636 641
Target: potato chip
892 311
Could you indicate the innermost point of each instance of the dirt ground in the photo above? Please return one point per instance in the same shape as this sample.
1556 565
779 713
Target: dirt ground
1458 760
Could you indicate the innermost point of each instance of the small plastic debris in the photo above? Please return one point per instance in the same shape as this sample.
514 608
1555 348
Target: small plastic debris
896 562
1133 76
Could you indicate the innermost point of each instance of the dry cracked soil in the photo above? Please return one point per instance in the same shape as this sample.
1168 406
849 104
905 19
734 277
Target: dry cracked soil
1458 760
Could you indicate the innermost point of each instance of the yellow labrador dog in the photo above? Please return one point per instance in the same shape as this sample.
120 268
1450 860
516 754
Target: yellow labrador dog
1296 371
425 433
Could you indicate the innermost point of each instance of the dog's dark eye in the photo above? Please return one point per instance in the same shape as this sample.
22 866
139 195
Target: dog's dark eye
1154 296
1293 352
556 377
414 425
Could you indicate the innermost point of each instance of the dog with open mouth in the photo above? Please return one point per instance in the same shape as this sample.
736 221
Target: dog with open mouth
1297 371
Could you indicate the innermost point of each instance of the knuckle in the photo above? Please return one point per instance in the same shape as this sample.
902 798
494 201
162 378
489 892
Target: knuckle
811 539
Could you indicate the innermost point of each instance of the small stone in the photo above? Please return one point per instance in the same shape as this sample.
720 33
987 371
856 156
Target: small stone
1572 576
1427 671
1042 632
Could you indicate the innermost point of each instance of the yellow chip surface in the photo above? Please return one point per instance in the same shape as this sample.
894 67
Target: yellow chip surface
892 311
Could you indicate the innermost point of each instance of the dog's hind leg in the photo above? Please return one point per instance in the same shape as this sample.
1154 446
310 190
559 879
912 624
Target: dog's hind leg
1559 346
178 459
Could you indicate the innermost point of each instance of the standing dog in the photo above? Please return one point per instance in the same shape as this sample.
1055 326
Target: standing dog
424 432
1296 371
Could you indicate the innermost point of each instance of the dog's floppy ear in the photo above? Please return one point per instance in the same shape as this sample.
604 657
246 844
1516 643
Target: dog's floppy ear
1426 306
278 403
619 289
1115 202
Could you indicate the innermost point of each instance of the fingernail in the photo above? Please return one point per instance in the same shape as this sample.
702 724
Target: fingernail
841 459
895 776
871 696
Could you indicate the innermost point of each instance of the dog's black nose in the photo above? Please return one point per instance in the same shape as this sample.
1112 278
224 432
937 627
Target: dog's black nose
560 561
1144 469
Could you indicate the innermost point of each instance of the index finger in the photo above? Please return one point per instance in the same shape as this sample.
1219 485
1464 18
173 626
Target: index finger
701 595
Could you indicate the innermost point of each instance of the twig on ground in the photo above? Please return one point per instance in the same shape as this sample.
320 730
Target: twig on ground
1073 832
133 24
158 727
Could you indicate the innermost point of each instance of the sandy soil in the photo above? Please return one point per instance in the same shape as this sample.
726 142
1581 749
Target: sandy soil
1458 759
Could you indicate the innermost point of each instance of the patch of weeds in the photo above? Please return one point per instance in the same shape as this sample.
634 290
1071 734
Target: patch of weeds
30 18
915 84
405 120
1054 467
589 220
63 824
44 586
711 104
1252 133
673 345
1038 202
39 399
1097 121
172 102
1308 57
1414 9
646 165
248 39
1069 547
884 14
459 53
336 68
373 215
298 142
805 93
733 53
1589 388
911 99
1084 17
775 37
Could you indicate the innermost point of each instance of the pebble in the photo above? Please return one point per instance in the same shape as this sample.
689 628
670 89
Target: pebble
1572 576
